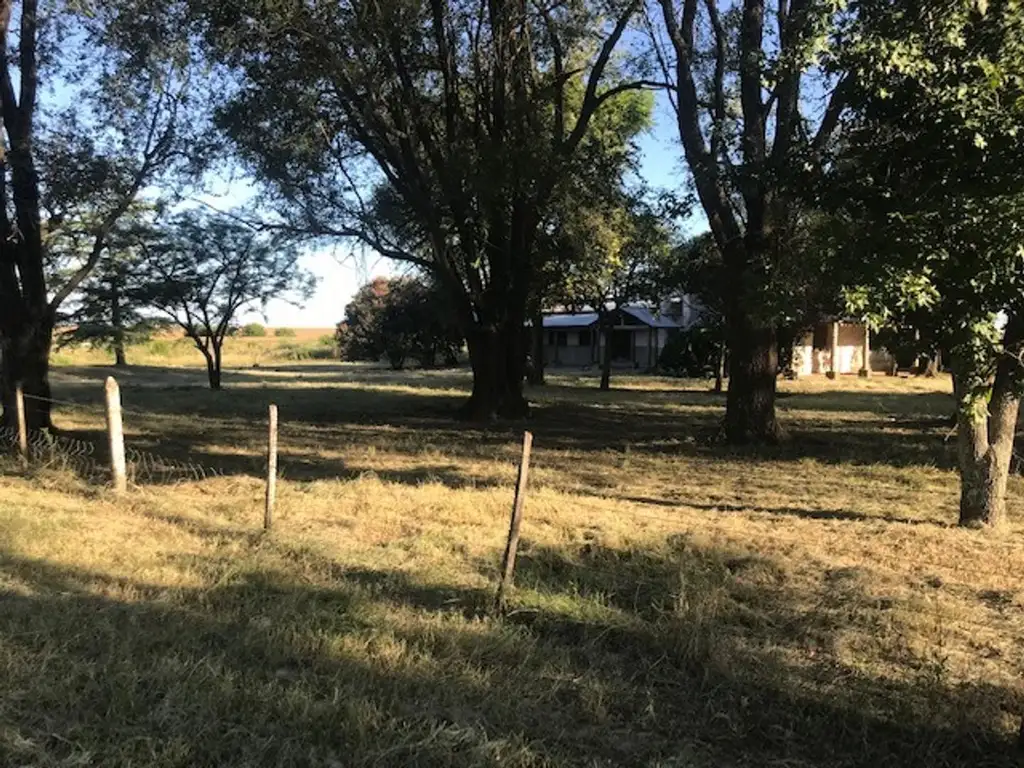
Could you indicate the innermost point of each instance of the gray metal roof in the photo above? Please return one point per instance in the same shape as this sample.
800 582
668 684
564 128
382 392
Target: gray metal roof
588 319
578 320
645 316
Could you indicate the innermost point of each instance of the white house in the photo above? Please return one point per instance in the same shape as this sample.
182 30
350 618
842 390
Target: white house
637 337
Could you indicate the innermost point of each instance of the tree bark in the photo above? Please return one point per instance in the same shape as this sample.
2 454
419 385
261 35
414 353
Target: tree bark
753 369
496 357
213 365
985 438
26 360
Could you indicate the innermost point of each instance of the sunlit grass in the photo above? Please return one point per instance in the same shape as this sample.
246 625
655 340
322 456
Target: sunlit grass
678 603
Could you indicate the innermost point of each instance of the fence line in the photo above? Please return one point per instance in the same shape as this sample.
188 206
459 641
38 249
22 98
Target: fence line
58 451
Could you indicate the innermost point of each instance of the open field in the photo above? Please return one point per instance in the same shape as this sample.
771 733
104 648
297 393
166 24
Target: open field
677 603
171 348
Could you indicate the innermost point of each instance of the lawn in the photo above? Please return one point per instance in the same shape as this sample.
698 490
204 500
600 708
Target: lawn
677 603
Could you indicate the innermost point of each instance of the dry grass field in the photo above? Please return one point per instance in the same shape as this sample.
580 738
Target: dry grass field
677 603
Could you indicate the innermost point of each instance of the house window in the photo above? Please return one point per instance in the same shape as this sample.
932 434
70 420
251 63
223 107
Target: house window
585 339
558 339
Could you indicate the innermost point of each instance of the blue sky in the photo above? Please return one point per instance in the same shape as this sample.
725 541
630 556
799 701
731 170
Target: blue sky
340 272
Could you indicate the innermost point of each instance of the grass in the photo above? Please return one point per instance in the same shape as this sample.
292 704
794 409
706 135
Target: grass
678 603
171 349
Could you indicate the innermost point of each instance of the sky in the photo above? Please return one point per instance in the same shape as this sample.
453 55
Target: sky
340 272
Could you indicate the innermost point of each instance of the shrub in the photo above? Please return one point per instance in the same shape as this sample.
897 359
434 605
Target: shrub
253 329
284 332
327 340
692 353
299 352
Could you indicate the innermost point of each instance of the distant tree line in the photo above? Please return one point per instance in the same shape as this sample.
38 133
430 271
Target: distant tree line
400 319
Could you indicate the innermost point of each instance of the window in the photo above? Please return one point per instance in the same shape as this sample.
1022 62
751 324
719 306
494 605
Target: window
585 338
562 339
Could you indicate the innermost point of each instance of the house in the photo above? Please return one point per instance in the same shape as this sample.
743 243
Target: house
839 347
637 336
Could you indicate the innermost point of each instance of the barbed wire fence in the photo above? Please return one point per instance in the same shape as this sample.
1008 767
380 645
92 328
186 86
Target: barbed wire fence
88 459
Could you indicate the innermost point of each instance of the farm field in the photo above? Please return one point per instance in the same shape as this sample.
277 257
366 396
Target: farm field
677 603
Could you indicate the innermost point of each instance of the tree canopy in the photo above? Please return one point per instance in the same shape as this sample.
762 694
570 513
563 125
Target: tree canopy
467 115
199 270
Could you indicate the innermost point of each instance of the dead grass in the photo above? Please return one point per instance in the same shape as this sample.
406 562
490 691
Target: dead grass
677 603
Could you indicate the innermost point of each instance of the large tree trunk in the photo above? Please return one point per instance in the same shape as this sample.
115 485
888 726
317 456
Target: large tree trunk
213 365
753 369
496 357
985 438
26 360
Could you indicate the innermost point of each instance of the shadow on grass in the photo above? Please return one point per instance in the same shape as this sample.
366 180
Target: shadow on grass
418 411
844 515
691 656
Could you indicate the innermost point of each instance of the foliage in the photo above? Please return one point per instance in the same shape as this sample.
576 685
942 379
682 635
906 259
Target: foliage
753 140
200 270
96 118
462 119
692 353
933 169
253 330
284 333
400 318
105 311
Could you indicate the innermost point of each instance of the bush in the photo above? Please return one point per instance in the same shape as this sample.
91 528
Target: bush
692 353
253 329
327 340
159 348
299 352
284 332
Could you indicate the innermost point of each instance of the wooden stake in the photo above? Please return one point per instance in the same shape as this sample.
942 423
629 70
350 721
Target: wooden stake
268 509
19 396
115 436
508 563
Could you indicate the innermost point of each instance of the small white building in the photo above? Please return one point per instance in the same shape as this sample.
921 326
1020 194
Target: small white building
837 348
637 337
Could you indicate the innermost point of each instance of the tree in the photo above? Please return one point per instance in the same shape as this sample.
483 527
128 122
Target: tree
70 173
461 111
583 212
105 313
200 270
751 137
695 268
611 256
400 318
359 334
932 167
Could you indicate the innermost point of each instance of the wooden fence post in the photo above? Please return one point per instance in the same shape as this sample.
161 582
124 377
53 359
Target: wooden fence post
115 436
19 397
268 509
508 563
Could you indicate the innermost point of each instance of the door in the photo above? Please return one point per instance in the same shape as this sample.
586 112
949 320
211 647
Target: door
622 345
